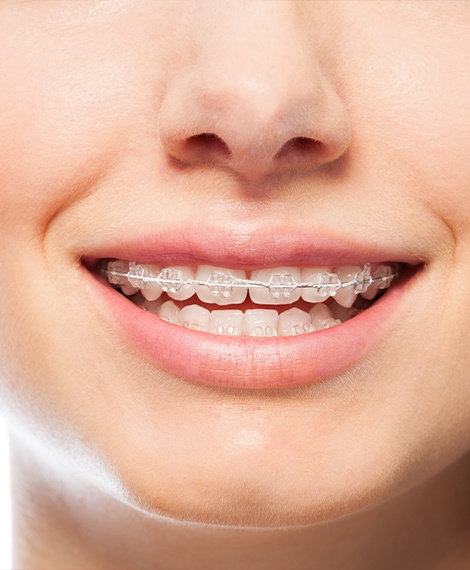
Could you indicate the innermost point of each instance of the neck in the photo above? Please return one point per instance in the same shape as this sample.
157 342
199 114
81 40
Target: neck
62 522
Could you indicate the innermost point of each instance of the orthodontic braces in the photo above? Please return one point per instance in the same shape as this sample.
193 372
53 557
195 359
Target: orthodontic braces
222 283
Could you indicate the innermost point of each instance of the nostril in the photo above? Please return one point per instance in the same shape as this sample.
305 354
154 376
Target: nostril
299 147
206 146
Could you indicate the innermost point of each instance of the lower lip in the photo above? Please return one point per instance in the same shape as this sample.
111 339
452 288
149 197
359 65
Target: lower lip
246 362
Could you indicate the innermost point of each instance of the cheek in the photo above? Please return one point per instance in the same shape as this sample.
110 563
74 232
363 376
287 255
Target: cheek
409 104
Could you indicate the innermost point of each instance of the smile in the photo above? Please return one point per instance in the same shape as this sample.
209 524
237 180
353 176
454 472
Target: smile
306 300
270 308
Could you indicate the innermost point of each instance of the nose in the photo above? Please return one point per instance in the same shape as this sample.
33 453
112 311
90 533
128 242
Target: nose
251 95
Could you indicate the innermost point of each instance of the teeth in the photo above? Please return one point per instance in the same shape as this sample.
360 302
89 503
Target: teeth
322 317
294 322
343 313
282 286
385 273
152 291
129 290
171 279
314 275
346 295
219 289
195 317
169 312
261 322
118 266
183 292
273 286
227 322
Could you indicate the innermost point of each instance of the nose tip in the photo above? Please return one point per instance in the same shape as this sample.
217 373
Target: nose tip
238 132
256 112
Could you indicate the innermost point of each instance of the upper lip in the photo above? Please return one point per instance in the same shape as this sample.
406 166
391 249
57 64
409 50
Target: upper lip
266 246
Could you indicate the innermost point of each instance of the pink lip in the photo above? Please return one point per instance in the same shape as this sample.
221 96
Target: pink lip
271 246
244 362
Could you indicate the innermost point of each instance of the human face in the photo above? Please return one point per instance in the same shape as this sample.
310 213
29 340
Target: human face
104 153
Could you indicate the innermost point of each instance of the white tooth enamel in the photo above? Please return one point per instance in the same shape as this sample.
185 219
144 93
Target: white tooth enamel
343 313
195 317
152 291
169 312
261 322
220 291
346 296
312 275
150 306
320 314
294 322
371 292
118 266
373 289
385 272
185 291
227 322
282 289
129 290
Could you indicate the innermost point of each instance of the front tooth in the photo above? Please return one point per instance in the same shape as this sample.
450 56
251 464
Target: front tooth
294 322
261 322
219 289
169 312
282 286
346 296
195 317
314 275
321 316
227 322
152 291
185 291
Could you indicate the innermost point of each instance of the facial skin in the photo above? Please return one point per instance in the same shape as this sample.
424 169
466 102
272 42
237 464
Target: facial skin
97 101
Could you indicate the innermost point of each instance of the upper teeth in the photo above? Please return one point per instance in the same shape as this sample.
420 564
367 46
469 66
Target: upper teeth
279 285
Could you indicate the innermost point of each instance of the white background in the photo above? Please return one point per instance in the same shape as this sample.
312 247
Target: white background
5 526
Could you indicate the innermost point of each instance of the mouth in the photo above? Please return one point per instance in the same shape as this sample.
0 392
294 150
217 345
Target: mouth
269 302
246 325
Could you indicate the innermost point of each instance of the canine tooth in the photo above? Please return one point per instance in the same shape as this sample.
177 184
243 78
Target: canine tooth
185 291
346 295
261 322
227 322
152 291
219 289
282 286
313 275
320 313
294 322
169 312
150 306
364 279
195 317
343 313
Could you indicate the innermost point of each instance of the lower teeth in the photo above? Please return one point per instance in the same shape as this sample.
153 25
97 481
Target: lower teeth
252 322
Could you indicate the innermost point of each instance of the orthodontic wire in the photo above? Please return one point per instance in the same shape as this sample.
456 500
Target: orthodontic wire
248 283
